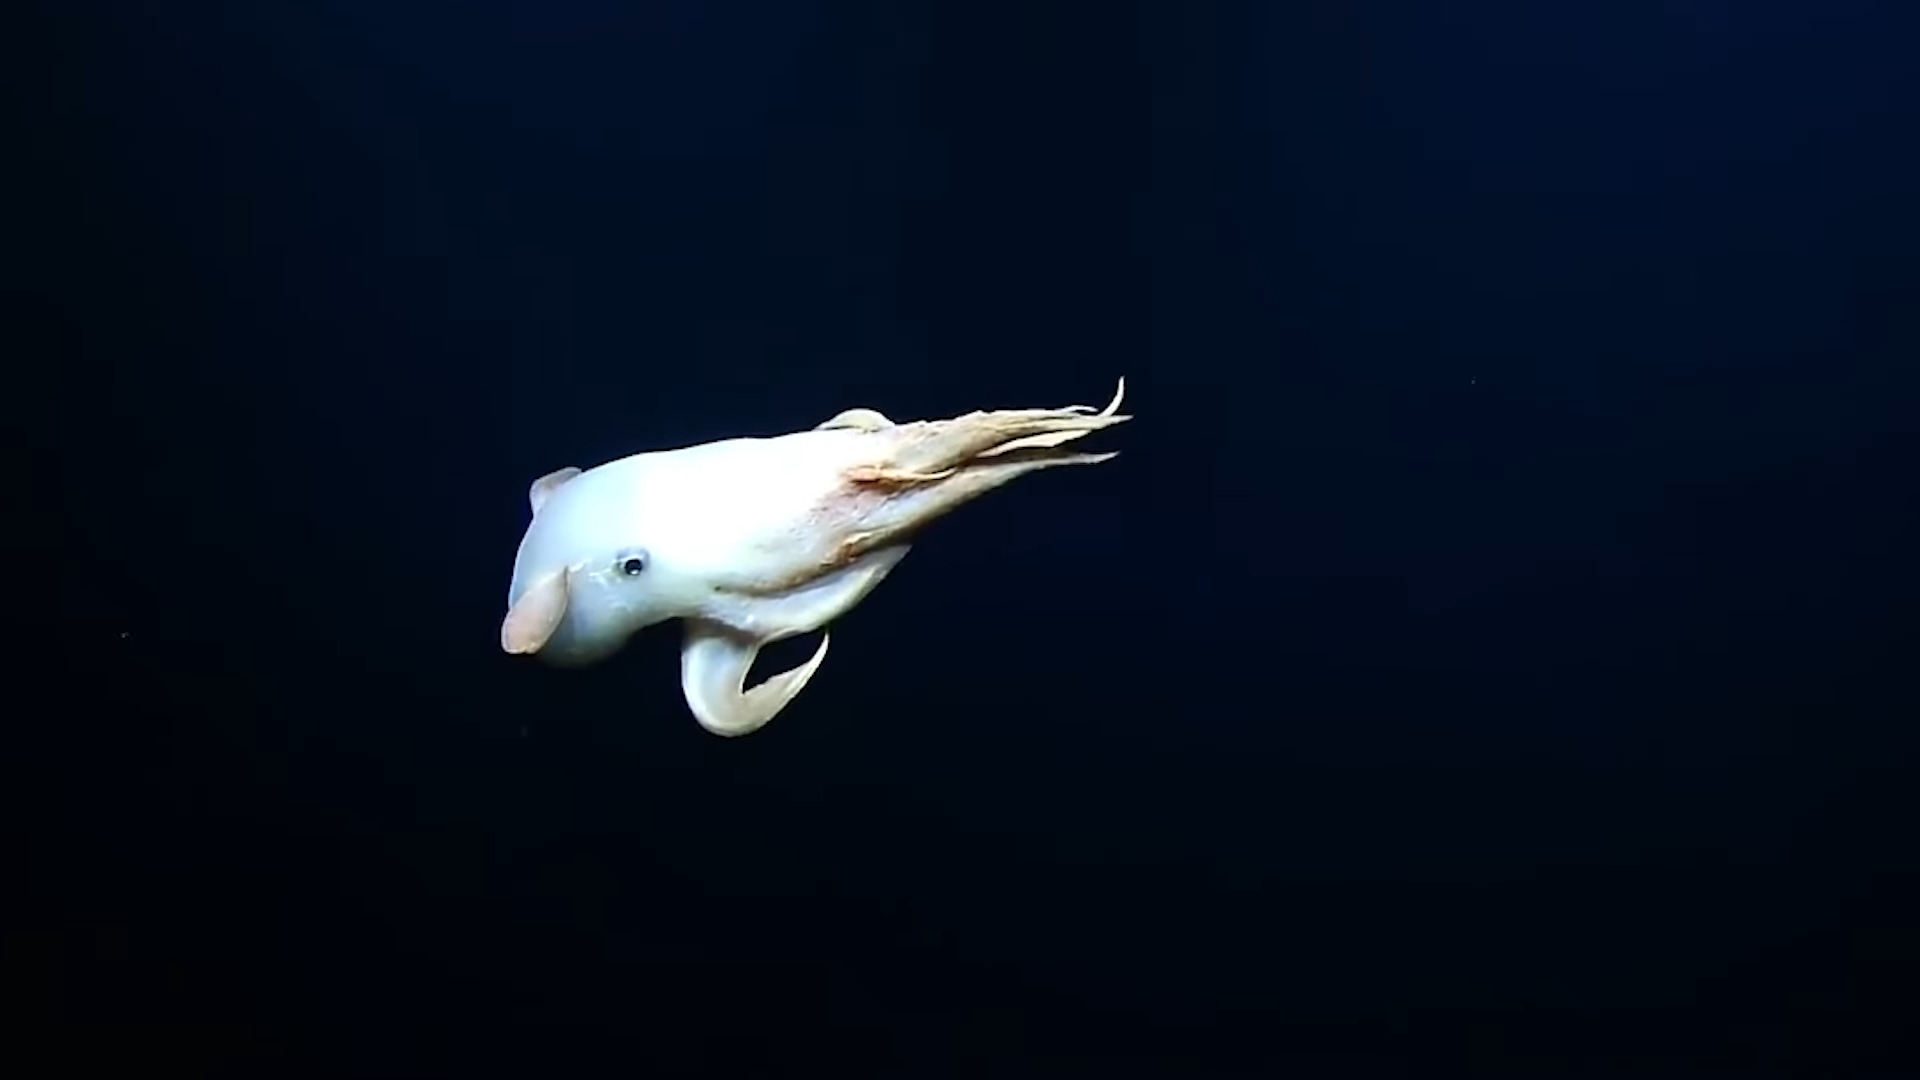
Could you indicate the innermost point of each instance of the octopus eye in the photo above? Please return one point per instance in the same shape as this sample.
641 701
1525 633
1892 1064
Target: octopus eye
632 565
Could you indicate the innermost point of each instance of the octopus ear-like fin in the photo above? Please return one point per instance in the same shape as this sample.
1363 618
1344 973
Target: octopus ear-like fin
858 420
536 615
714 663
542 489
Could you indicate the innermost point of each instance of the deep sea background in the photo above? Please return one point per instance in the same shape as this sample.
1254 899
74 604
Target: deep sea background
1491 652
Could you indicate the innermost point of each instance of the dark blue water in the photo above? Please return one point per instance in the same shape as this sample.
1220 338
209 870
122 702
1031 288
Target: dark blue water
1490 650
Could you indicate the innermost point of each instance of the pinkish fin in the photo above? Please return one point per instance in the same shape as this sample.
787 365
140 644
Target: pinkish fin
543 488
536 615
858 420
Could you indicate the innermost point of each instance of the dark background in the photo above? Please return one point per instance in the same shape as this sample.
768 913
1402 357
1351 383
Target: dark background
1491 650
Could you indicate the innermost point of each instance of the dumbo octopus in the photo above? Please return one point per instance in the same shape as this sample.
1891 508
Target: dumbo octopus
752 540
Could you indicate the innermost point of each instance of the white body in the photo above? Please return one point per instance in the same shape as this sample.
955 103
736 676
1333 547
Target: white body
710 516
753 540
